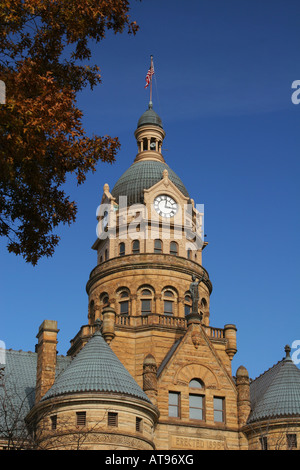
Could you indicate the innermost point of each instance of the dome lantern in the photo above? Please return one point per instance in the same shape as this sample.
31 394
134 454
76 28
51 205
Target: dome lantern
149 135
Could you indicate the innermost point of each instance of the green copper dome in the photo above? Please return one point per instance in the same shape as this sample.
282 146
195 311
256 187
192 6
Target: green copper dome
150 117
96 368
143 175
276 392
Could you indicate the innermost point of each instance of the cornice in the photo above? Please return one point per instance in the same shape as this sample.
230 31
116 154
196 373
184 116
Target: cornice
149 261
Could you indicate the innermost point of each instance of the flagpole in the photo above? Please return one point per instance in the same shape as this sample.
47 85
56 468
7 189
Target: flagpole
151 68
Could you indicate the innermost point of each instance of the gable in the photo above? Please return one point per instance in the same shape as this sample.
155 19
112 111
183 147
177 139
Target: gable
194 356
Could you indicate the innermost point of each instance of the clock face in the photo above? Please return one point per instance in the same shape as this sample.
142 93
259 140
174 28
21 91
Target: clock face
165 206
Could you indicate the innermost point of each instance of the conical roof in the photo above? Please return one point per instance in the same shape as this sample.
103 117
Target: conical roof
276 392
96 368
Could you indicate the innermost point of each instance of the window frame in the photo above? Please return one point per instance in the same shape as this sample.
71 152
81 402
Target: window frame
187 304
197 390
123 299
81 418
123 303
172 251
202 407
156 249
122 249
146 294
53 419
176 406
222 411
169 298
291 441
138 424
134 250
112 419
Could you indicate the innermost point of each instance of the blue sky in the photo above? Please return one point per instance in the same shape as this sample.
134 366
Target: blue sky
223 76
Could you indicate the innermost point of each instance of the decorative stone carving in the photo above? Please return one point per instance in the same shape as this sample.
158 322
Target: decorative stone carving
149 373
196 338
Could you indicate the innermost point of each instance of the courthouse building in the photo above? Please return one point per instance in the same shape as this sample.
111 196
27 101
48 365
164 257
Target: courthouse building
148 369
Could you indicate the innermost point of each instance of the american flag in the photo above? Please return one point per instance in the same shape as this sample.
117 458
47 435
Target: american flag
149 75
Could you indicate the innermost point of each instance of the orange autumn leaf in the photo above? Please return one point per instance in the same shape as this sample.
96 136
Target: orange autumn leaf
42 139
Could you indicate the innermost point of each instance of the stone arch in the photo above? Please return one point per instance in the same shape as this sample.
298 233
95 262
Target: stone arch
194 370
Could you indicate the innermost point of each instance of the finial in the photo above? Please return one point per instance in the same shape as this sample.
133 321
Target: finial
150 106
287 352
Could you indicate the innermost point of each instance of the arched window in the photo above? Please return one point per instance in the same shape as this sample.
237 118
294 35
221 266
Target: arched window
157 246
146 301
146 292
196 383
169 301
104 299
173 248
187 304
196 400
106 255
122 249
135 246
123 295
189 253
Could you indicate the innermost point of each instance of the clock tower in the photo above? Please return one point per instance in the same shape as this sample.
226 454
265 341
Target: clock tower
142 291
148 371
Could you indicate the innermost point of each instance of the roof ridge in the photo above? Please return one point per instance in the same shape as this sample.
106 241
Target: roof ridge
266 371
19 351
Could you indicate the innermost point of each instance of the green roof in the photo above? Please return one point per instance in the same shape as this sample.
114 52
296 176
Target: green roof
143 175
276 392
96 368
150 117
18 390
